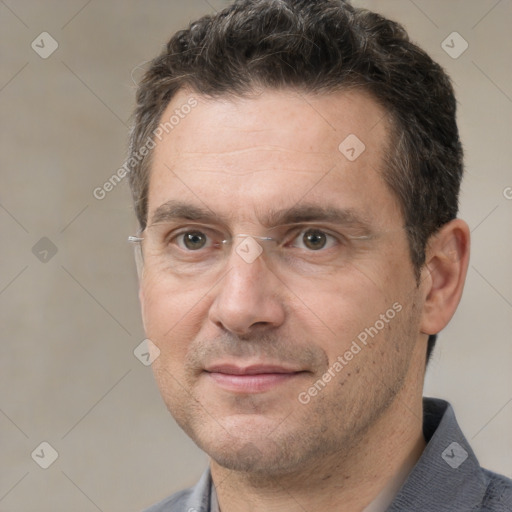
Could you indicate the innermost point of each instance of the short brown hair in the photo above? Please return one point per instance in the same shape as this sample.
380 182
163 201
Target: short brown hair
320 46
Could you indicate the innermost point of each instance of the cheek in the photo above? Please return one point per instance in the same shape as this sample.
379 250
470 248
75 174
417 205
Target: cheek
348 302
171 317
359 306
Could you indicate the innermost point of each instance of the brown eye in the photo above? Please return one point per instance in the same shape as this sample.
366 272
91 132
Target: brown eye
194 240
314 239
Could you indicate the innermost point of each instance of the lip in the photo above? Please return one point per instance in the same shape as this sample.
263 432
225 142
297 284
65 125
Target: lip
250 379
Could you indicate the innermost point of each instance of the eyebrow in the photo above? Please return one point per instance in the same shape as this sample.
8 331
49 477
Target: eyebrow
176 210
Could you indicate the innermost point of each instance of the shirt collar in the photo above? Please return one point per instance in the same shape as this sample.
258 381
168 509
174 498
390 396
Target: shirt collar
447 476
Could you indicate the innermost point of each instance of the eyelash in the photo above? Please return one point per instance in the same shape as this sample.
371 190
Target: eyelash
293 235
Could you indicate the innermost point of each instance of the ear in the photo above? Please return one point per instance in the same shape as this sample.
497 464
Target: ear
444 274
142 300
139 261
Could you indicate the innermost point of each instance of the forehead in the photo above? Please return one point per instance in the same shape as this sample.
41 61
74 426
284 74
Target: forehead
240 155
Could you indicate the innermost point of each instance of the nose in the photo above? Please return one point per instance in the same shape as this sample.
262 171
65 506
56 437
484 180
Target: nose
249 295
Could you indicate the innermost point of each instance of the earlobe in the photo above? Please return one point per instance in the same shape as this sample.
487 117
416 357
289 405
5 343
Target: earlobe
444 274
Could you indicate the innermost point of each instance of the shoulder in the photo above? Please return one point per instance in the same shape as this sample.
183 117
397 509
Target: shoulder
172 503
498 495
195 499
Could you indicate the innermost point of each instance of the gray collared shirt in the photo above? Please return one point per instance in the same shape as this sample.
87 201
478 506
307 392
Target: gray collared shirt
447 477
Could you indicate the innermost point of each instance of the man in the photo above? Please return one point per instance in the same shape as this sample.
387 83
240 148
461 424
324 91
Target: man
295 170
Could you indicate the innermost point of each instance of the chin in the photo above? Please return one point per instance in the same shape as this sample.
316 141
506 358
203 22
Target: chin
250 444
258 459
240 442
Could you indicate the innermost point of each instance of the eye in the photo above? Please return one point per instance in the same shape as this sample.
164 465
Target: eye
191 240
314 239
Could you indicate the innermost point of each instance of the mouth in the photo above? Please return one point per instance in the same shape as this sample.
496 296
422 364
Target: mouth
251 379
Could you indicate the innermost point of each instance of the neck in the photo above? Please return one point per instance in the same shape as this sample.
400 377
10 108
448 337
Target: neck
364 478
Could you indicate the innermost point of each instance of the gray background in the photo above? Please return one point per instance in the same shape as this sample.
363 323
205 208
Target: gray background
70 323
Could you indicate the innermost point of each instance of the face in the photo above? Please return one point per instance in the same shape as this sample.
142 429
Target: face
276 353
